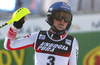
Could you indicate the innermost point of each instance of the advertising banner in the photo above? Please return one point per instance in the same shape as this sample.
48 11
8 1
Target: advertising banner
89 48
16 57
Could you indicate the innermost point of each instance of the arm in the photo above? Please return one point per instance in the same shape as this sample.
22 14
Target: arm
74 54
12 44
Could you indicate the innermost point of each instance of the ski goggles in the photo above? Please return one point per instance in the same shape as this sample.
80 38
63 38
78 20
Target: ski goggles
59 15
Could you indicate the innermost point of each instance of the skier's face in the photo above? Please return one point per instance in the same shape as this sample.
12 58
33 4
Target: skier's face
60 25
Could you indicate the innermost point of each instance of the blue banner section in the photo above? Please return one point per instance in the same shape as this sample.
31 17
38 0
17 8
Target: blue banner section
8 5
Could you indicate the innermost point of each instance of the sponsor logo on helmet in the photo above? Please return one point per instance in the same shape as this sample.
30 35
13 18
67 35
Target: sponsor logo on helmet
50 9
93 57
65 5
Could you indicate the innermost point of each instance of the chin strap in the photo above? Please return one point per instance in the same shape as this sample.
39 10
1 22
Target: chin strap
54 30
55 34
59 32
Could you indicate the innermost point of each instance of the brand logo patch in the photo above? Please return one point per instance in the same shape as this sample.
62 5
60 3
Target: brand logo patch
42 37
68 42
51 47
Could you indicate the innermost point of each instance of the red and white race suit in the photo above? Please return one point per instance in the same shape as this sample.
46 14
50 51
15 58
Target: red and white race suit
47 50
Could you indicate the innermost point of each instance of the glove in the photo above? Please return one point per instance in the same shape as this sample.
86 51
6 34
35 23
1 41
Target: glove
19 24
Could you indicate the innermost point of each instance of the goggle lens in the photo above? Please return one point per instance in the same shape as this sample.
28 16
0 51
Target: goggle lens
59 15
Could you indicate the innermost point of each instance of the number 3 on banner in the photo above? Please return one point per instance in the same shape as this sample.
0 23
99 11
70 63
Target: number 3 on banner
51 60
